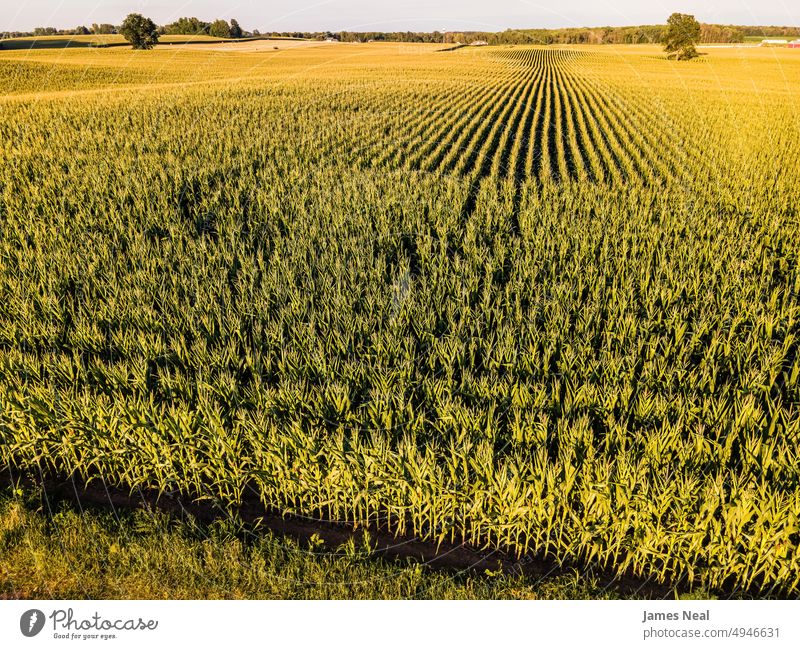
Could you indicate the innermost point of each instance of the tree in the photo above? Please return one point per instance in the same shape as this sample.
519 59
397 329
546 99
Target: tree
220 29
103 28
236 30
139 31
186 25
682 34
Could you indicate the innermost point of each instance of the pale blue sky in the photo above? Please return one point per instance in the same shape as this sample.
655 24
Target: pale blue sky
428 15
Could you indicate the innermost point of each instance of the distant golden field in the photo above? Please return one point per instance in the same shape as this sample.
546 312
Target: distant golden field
543 300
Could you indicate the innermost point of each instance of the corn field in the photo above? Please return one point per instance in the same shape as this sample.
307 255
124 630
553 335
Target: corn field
534 299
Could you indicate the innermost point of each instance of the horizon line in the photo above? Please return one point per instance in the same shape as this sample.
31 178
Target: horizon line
416 31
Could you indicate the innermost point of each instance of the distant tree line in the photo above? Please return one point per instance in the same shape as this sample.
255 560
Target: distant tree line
81 30
195 27
640 34
191 26
182 26
103 28
569 36
721 34
397 37
763 32
637 35
362 37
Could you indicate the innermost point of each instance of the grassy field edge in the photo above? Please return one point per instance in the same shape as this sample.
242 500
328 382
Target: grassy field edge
53 549
53 546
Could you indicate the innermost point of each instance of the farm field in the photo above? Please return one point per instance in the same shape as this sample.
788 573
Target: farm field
538 300
758 39
115 40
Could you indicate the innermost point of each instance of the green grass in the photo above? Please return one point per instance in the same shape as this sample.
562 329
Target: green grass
54 551
758 39
60 42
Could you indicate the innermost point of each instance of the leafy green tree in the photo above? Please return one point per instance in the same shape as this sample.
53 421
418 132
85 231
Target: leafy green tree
682 34
103 28
139 31
236 30
220 29
186 25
